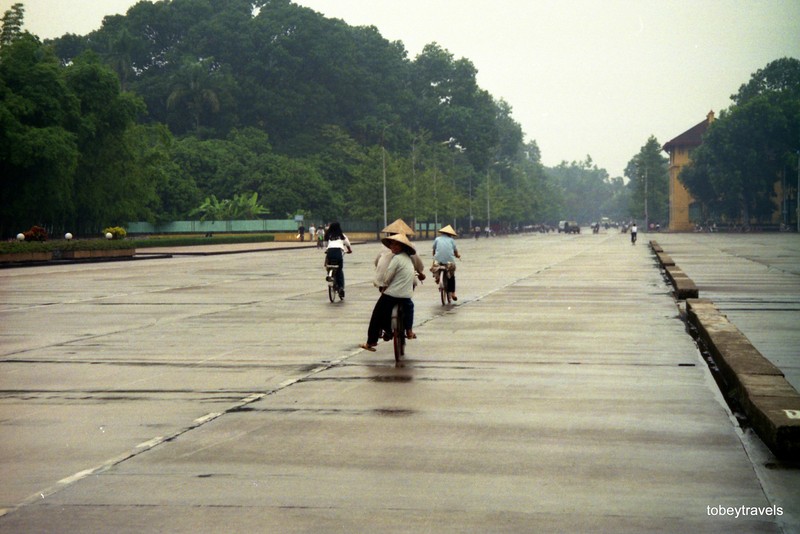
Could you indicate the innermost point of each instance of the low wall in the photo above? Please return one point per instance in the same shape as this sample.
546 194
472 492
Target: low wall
770 403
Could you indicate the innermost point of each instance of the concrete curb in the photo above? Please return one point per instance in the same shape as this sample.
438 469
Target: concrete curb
684 287
770 403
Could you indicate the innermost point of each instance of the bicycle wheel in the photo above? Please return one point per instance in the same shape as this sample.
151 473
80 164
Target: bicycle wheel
331 293
443 282
398 333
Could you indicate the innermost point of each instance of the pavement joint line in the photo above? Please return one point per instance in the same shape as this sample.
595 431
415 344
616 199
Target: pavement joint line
159 440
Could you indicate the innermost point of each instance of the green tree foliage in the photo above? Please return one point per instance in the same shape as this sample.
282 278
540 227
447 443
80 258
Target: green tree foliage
750 147
587 193
648 175
12 23
275 99
38 142
67 155
241 207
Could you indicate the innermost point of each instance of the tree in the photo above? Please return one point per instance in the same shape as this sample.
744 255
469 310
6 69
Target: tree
38 146
13 20
749 148
108 187
648 172
195 91
779 76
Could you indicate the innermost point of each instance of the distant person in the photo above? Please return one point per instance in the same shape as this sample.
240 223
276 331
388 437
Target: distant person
445 253
337 246
634 230
301 233
312 232
320 235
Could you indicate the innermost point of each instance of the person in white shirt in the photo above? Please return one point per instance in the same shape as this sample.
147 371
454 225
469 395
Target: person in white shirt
336 244
399 280
383 260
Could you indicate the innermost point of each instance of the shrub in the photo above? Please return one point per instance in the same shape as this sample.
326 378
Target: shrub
36 233
116 232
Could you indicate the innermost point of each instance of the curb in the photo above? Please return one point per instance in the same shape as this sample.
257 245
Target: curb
768 400
770 403
683 286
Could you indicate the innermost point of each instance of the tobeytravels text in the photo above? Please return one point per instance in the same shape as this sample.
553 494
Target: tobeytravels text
739 511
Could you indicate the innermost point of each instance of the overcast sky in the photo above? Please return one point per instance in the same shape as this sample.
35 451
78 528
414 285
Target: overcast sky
583 77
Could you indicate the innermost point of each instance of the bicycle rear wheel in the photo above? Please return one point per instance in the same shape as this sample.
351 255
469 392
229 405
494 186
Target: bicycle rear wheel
331 293
443 283
398 333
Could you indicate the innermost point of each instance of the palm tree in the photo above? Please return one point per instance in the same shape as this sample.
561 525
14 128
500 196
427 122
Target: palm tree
195 87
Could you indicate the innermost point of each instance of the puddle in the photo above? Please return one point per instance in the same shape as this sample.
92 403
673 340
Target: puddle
391 378
393 412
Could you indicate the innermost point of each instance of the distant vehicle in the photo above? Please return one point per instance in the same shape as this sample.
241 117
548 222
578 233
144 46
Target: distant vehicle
561 225
571 227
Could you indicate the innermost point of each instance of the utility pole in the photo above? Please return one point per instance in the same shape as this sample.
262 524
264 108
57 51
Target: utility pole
646 217
488 211
383 158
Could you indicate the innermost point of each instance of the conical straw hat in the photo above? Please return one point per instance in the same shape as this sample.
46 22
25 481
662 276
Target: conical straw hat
398 227
400 238
448 230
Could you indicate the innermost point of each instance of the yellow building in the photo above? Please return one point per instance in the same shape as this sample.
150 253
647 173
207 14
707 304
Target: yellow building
679 198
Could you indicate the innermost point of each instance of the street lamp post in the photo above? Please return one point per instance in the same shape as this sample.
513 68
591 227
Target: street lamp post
383 159
488 206
383 154
470 202
646 217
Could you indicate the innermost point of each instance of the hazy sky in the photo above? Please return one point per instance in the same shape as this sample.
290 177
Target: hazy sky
584 77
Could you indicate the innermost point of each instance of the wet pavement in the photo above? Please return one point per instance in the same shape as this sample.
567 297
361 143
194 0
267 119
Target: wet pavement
225 393
754 279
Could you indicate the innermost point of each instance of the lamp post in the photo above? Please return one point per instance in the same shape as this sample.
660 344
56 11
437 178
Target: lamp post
488 206
646 217
383 159
435 200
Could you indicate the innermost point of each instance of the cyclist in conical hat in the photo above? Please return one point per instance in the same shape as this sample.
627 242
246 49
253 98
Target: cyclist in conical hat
399 226
399 289
445 252
385 257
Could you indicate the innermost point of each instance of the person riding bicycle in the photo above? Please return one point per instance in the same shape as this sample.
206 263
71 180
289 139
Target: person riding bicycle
336 244
383 259
399 279
445 253
634 230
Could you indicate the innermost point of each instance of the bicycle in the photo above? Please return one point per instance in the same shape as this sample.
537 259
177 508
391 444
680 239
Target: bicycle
333 286
444 272
633 238
398 332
